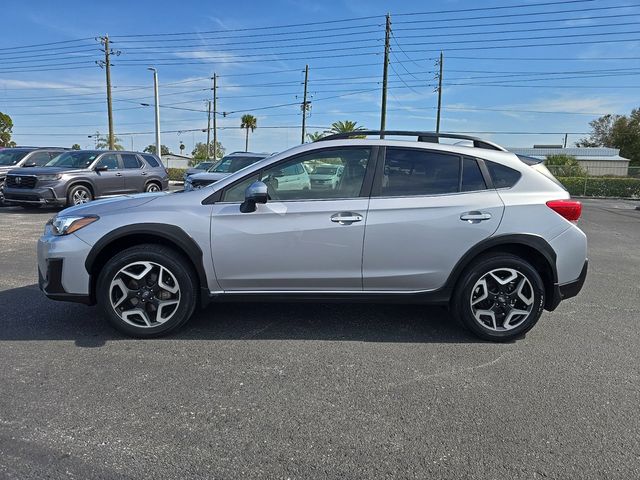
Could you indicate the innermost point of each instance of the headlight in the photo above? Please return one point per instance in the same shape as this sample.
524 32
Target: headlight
188 185
45 178
66 225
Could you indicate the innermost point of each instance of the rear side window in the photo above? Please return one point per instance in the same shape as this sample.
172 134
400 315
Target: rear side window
151 160
130 160
503 177
419 172
472 178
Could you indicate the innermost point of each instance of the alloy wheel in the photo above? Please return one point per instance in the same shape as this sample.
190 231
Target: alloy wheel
80 197
502 299
144 294
152 187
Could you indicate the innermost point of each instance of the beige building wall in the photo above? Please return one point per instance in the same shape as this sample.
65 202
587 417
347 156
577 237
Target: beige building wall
618 168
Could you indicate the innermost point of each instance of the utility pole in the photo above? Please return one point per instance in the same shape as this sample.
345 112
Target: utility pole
157 109
208 127
107 66
565 139
215 113
304 101
440 63
385 74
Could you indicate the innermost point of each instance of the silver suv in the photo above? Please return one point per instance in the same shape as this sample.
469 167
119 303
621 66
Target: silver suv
471 226
79 176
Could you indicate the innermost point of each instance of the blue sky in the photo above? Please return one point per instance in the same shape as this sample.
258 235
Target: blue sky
490 84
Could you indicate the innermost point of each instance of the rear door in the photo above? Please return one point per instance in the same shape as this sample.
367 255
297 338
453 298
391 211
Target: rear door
428 208
135 173
110 181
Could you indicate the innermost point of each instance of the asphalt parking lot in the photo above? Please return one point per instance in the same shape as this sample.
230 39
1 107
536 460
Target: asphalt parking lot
326 390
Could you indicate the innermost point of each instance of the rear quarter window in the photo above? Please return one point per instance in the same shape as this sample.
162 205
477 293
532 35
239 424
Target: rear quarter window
151 160
502 176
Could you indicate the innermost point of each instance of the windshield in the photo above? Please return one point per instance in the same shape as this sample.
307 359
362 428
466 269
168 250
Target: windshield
325 170
11 157
233 164
73 160
204 166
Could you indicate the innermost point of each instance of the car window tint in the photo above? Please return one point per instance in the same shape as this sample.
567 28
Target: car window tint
502 176
109 160
39 159
295 179
130 160
419 172
151 160
472 178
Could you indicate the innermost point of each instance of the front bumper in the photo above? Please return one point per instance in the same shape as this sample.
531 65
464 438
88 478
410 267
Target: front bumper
32 196
61 271
567 290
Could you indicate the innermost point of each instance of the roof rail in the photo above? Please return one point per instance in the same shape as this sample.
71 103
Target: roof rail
430 137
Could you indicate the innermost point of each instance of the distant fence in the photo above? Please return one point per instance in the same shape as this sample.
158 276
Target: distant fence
579 182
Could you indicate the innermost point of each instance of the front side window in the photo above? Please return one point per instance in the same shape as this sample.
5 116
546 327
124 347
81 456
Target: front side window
38 159
129 160
291 180
109 160
73 160
410 172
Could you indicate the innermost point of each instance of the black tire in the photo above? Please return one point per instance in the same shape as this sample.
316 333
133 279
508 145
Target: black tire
76 192
163 256
153 187
462 296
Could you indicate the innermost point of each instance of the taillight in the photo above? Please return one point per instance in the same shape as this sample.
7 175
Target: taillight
569 209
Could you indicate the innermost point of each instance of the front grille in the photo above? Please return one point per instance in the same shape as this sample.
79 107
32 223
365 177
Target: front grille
21 181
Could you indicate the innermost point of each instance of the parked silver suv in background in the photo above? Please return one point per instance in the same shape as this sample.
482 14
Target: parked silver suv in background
79 176
11 158
472 227
223 168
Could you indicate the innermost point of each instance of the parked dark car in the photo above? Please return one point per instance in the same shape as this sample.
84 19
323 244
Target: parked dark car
79 176
11 158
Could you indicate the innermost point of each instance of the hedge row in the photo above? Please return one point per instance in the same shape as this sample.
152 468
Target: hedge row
176 173
602 186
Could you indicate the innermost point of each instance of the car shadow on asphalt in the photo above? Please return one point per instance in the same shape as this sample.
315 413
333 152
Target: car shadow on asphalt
28 315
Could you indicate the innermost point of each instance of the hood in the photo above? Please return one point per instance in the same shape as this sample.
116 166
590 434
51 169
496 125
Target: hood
208 176
110 205
44 170
191 171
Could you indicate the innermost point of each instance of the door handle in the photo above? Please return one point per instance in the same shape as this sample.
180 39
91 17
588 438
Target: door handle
346 218
475 216
118 174
144 173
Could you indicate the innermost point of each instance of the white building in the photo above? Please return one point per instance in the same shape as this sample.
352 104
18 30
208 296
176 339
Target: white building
171 160
596 161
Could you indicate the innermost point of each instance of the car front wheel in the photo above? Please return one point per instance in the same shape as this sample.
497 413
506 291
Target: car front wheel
499 297
79 195
147 290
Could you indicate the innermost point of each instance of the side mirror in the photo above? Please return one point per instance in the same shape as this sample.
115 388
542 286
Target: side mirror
255 193
101 168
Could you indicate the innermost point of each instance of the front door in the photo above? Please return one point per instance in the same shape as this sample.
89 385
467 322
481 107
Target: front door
302 239
428 209
110 181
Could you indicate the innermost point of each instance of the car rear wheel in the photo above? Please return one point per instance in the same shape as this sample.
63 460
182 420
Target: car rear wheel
499 297
152 187
147 291
79 195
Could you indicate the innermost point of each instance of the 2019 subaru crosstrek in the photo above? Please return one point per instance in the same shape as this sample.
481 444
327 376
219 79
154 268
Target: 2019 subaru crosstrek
471 226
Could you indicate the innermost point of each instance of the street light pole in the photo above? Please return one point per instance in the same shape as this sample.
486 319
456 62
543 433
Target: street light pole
157 107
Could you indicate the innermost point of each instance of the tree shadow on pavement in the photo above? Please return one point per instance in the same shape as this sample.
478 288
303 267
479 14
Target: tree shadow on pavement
28 315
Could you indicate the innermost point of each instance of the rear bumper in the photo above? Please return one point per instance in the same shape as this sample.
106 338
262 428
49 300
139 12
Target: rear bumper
568 290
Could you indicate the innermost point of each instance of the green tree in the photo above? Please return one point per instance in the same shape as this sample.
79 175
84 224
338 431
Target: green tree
248 122
102 142
6 125
164 150
616 131
345 127
562 165
200 152
315 136
75 146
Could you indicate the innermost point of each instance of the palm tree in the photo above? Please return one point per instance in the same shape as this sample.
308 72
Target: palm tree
248 122
315 136
343 127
